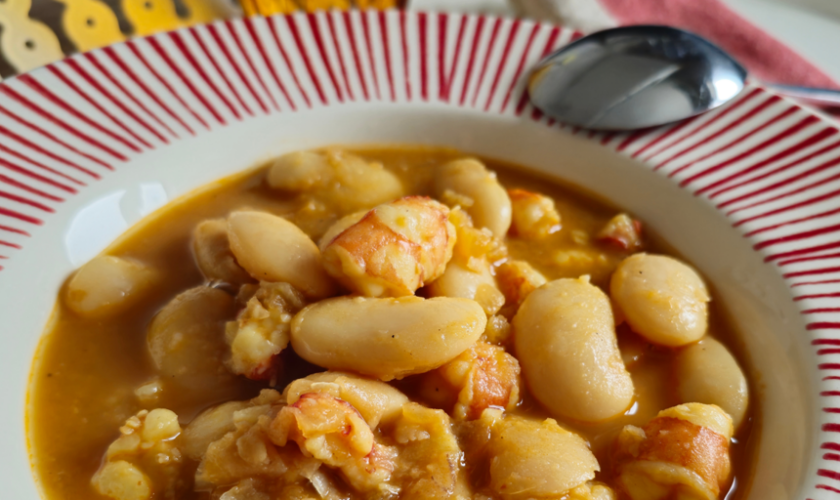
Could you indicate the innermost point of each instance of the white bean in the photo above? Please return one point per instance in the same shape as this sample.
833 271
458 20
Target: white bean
386 338
160 424
210 425
489 203
706 372
107 285
703 415
566 342
341 179
299 171
211 249
533 459
271 248
121 480
376 401
663 299
476 284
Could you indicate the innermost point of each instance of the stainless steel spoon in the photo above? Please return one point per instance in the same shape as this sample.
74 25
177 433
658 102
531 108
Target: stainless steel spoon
642 76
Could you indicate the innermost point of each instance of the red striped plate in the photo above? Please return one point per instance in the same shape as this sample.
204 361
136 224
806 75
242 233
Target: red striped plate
750 192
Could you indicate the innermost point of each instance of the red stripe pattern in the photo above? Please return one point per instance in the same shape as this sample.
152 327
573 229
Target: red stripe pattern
770 166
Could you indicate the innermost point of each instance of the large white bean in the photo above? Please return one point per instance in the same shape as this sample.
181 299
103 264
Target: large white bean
343 180
706 372
533 459
299 171
271 248
386 338
662 299
489 203
566 343
107 285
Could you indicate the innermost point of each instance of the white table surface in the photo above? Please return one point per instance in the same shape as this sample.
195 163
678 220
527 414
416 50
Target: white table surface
811 27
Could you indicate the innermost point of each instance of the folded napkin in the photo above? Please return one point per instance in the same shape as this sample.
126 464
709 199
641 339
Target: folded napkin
766 58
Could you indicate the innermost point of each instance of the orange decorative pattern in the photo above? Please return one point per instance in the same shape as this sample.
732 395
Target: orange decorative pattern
268 7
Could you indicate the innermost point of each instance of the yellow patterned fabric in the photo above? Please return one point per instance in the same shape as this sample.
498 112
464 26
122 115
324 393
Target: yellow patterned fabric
27 41
90 24
151 16
24 42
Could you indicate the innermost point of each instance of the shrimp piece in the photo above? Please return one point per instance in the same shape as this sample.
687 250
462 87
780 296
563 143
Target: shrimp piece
483 376
517 279
534 216
339 227
261 330
145 460
623 232
682 452
332 431
394 249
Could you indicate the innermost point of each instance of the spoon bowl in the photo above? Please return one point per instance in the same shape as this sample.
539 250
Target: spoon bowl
634 77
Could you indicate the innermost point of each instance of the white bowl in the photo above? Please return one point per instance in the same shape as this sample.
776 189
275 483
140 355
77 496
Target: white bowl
444 80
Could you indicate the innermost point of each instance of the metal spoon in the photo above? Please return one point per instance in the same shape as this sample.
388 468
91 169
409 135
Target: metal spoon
641 76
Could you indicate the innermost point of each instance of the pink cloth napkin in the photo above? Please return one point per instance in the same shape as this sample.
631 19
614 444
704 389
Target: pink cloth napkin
766 58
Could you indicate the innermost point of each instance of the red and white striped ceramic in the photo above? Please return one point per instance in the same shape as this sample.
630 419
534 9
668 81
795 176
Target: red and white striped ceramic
749 193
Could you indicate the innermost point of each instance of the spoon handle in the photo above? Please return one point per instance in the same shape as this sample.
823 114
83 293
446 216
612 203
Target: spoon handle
817 97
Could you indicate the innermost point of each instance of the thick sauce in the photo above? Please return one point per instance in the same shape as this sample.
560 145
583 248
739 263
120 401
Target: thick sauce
87 370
